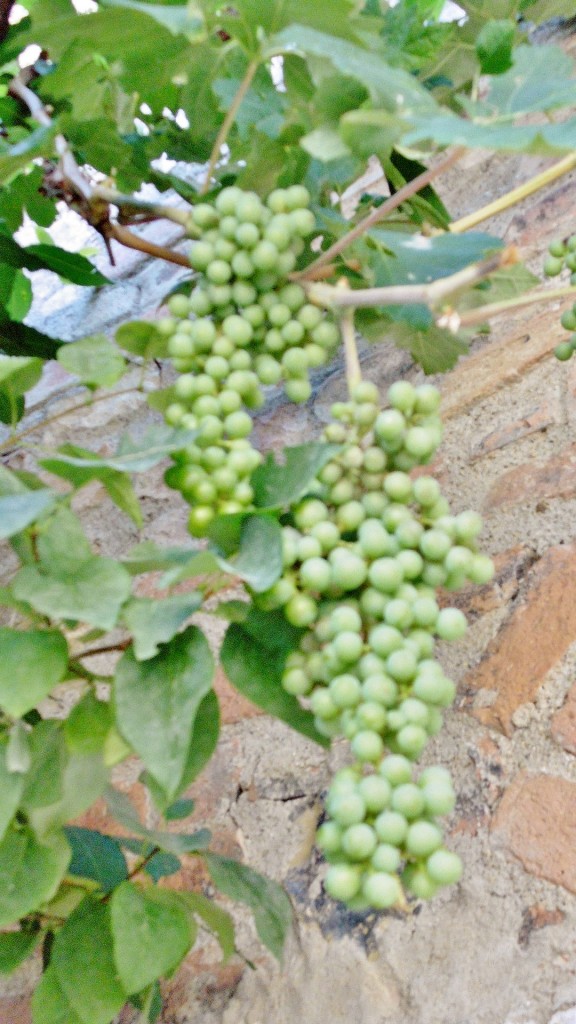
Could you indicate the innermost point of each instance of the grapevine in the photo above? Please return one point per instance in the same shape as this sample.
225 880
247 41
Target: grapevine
562 256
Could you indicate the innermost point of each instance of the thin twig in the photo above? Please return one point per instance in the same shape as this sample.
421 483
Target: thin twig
228 122
132 241
91 652
380 212
352 362
398 295
124 202
455 320
516 195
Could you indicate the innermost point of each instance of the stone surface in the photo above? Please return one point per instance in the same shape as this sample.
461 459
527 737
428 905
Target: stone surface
533 640
536 823
537 418
563 725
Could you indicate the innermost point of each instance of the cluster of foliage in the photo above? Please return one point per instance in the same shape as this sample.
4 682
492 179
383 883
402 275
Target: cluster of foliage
340 551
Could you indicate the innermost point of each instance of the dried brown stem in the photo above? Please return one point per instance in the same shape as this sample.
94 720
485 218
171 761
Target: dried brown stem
132 241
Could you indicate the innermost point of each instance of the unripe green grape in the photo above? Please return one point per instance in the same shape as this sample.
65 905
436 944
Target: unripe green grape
200 303
345 691
398 613
294 362
402 396
376 792
426 491
439 799
411 740
349 516
402 665
425 611
298 390
553 266
277 201
265 256
408 800
386 858
278 232
568 319
397 769
327 534
268 370
224 249
273 341
204 215
249 208
230 401
419 882
301 610
226 200
201 256
421 642
180 346
308 547
302 222
398 487
309 316
367 745
329 837
391 828
316 575
349 570
411 563
384 640
380 688
427 399
199 520
392 517
219 272
386 574
346 808
266 281
382 890
293 295
557 248
435 545
359 841
242 265
423 838
481 569
420 443
342 882
296 682
451 624
179 306
220 296
373 602
444 867
325 334
374 460
434 574
293 333
173 413
564 351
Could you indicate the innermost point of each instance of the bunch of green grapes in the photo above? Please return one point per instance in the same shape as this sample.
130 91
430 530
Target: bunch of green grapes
565 349
243 327
362 560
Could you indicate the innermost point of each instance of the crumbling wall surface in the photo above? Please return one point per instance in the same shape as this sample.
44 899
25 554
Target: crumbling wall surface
499 947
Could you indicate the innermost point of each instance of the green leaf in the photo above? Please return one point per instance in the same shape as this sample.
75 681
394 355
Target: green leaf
434 349
43 782
205 734
11 788
94 594
137 456
277 485
14 948
215 919
96 856
494 46
18 756
69 265
253 656
32 662
88 725
40 142
31 872
419 259
20 298
19 373
50 1004
142 338
94 360
392 88
21 340
258 558
179 809
151 932
117 484
83 960
148 557
121 808
162 865
267 900
17 511
155 622
84 779
157 700
177 18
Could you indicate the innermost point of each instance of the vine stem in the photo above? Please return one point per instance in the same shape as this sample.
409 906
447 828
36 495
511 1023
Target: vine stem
380 212
132 241
455 320
122 201
398 295
229 121
352 362
17 438
515 195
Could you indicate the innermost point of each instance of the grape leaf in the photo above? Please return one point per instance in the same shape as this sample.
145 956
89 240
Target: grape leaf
267 900
31 871
277 485
152 623
50 1005
434 349
151 933
94 594
17 511
32 662
256 547
494 46
253 656
82 957
14 948
11 787
157 700
419 259
94 360
214 918
120 807
205 734
117 484
96 856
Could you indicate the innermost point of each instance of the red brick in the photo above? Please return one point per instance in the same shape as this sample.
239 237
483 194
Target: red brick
537 418
15 1011
533 639
536 823
536 917
233 706
534 483
522 343
563 725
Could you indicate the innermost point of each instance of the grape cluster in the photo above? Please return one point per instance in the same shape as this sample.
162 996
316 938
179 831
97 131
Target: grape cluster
561 256
243 327
362 561
565 349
